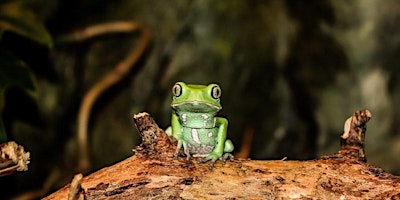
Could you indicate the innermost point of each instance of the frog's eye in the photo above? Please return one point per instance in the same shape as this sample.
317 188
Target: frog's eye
177 90
216 92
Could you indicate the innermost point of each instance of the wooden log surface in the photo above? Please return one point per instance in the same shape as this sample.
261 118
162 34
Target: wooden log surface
153 173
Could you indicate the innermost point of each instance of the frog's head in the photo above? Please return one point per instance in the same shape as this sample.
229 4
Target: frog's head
196 98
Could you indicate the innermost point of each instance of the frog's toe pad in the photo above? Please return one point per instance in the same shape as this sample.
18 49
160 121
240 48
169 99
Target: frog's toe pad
211 166
188 157
176 155
213 158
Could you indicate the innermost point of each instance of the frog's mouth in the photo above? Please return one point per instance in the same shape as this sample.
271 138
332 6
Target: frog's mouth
196 106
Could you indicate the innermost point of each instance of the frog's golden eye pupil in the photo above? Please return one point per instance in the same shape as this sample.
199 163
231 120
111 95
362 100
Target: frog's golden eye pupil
216 92
177 90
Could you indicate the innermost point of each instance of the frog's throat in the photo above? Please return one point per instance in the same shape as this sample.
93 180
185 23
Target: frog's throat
195 103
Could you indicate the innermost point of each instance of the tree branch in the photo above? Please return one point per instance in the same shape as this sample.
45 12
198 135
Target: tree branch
153 173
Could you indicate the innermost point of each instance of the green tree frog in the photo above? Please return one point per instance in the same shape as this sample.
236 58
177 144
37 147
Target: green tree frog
195 125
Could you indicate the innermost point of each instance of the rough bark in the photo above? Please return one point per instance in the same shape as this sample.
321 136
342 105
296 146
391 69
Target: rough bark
153 173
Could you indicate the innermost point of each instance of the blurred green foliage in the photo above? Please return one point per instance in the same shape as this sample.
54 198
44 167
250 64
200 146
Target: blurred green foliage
16 17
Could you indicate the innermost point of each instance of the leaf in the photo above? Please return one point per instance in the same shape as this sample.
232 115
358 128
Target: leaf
13 72
3 134
15 17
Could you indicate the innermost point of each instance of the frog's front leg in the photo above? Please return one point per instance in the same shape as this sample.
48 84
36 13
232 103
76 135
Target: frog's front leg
176 132
222 144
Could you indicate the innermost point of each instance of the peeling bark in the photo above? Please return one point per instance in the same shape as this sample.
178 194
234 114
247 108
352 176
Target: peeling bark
153 173
353 139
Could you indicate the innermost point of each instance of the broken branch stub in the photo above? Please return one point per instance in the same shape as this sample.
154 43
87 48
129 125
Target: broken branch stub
154 140
353 139
76 191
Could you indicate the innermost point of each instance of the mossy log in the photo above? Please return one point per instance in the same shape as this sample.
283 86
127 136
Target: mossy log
153 173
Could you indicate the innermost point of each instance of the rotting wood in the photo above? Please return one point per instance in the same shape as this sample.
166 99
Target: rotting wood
153 173
13 158
353 139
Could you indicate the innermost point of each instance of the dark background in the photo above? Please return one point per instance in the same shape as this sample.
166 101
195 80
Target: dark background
292 71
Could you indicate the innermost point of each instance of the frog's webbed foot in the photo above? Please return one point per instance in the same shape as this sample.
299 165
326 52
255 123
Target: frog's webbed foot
187 154
225 157
211 166
176 154
178 148
213 158
185 150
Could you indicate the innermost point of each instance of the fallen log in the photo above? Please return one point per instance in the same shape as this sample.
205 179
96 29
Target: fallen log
153 173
